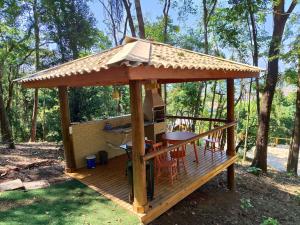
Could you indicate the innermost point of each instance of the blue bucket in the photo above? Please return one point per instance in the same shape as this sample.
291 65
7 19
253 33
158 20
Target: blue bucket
91 161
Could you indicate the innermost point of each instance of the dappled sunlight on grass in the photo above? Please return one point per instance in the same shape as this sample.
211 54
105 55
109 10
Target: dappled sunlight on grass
67 203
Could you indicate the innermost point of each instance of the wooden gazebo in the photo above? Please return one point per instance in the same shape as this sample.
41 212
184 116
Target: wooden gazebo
134 63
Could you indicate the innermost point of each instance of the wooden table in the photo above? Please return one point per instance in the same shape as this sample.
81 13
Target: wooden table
179 136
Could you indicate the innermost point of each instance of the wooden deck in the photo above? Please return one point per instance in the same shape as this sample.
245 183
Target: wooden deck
110 181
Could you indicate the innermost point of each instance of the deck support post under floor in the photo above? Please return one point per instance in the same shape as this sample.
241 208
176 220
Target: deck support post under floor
140 203
230 132
65 124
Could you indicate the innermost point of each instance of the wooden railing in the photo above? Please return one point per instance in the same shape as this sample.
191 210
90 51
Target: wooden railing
172 147
195 118
277 139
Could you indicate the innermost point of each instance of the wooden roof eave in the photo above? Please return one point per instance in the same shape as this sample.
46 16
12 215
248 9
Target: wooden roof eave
121 76
170 75
104 77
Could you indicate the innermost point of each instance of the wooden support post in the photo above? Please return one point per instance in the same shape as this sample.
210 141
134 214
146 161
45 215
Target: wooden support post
65 124
230 132
140 203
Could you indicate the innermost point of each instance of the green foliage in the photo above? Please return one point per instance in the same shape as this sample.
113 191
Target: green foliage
246 203
291 76
270 221
254 170
68 30
154 30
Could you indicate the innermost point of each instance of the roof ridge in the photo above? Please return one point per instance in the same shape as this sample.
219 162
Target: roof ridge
130 39
132 52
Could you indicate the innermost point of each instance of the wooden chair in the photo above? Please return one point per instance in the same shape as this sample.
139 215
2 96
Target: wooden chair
163 163
179 155
213 142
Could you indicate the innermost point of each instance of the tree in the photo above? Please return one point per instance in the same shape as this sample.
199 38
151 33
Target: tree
65 21
127 5
167 5
292 164
280 17
36 15
113 11
209 7
140 18
13 51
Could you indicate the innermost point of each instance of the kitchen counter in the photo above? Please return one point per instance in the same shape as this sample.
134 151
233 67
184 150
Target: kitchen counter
125 128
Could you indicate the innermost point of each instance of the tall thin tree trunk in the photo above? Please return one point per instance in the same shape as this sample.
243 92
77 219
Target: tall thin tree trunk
197 104
247 121
212 103
37 67
34 115
292 164
10 89
140 19
205 24
255 50
279 18
6 132
44 115
127 5
166 9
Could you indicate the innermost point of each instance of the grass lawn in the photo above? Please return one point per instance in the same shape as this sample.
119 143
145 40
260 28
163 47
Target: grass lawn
67 203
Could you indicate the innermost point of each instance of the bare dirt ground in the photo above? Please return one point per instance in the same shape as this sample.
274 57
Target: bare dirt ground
32 162
275 195
277 157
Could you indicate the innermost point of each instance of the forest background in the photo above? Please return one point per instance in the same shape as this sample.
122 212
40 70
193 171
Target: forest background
38 34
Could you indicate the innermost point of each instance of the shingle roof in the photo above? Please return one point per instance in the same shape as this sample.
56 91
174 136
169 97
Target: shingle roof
137 52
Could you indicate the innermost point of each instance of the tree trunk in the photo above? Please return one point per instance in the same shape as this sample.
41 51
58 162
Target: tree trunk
204 97
197 104
255 50
279 18
10 89
208 10
34 115
37 67
6 133
212 103
167 5
247 122
205 24
127 5
140 19
292 165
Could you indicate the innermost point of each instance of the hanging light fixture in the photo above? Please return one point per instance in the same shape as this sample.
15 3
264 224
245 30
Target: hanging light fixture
116 94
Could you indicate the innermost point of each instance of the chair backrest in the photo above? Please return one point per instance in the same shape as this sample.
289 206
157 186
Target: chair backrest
217 135
160 158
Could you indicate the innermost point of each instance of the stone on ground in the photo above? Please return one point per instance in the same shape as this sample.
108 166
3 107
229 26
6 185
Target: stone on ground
36 184
11 185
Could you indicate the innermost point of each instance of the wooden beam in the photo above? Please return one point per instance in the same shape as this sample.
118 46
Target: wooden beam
112 76
140 203
230 132
196 118
121 75
65 124
170 75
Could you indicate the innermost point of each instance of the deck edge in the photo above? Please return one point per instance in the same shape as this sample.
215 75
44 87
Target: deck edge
159 210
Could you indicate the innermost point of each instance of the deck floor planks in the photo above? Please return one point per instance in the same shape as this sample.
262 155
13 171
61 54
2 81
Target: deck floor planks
110 181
